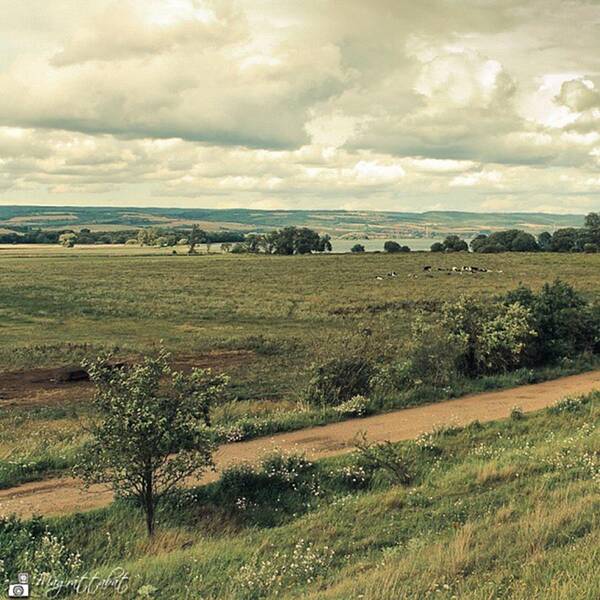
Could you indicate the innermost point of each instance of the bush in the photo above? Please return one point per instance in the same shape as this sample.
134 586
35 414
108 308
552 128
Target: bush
357 406
590 248
387 457
566 324
471 338
285 482
432 355
437 247
357 248
339 379
516 413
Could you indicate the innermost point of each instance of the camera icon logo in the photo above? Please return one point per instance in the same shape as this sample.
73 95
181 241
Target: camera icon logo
20 589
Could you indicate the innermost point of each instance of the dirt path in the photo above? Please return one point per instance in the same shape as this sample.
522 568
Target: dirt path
64 495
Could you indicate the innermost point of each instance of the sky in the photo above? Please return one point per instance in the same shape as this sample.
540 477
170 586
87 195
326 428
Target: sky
483 105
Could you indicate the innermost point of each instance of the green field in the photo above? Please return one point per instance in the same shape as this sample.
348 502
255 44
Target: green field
192 303
474 521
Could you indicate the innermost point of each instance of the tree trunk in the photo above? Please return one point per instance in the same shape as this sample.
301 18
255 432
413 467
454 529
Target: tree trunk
149 504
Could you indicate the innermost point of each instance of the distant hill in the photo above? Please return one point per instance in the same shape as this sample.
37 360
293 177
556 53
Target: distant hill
338 223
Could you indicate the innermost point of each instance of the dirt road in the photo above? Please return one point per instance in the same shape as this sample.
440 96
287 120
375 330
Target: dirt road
64 495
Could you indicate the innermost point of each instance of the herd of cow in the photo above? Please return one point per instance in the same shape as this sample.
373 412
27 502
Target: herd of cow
428 269
463 269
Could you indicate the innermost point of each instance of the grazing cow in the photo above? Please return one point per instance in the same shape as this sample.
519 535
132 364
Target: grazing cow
379 278
427 268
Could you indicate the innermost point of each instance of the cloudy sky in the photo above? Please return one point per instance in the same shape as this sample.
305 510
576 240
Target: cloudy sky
489 105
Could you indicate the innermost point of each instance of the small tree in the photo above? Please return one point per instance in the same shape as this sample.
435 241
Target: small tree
392 247
150 434
197 236
357 249
67 240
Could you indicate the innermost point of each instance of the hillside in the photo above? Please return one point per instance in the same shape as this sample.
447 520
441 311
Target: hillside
502 510
336 222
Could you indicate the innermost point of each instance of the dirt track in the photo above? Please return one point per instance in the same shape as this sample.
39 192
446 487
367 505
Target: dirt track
64 495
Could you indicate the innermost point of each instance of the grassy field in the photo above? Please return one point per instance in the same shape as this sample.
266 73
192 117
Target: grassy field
195 303
261 319
486 507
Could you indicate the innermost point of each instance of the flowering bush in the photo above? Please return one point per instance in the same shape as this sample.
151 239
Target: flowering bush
357 406
282 571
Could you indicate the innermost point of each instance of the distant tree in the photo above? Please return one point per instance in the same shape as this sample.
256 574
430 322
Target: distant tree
524 242
392 247
357 248
254 242
197 236
67 239
565 240
437 247
478 242
545 241
148 236
324 244
226 247
296 240
453 243
592 220
149 436
590 248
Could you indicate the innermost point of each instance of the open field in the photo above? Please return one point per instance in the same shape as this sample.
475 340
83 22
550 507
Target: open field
264 320
261 319
78 296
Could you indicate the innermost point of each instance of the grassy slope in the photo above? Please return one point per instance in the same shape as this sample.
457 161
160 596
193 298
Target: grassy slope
504 510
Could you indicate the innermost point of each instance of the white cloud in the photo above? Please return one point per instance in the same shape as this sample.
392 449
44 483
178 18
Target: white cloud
392 104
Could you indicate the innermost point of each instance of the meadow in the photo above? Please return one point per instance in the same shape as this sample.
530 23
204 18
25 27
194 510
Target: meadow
484 505
261 319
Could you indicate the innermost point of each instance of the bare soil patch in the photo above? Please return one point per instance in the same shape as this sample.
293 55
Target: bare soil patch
64 385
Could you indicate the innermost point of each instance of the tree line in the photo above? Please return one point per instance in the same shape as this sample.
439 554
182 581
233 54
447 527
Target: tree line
569 239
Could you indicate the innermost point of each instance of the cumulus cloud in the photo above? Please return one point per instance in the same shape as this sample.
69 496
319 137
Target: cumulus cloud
386 105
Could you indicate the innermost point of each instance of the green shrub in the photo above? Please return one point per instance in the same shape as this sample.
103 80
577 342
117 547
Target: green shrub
392 459
516 413
339 379
471 338
565 323
357 406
